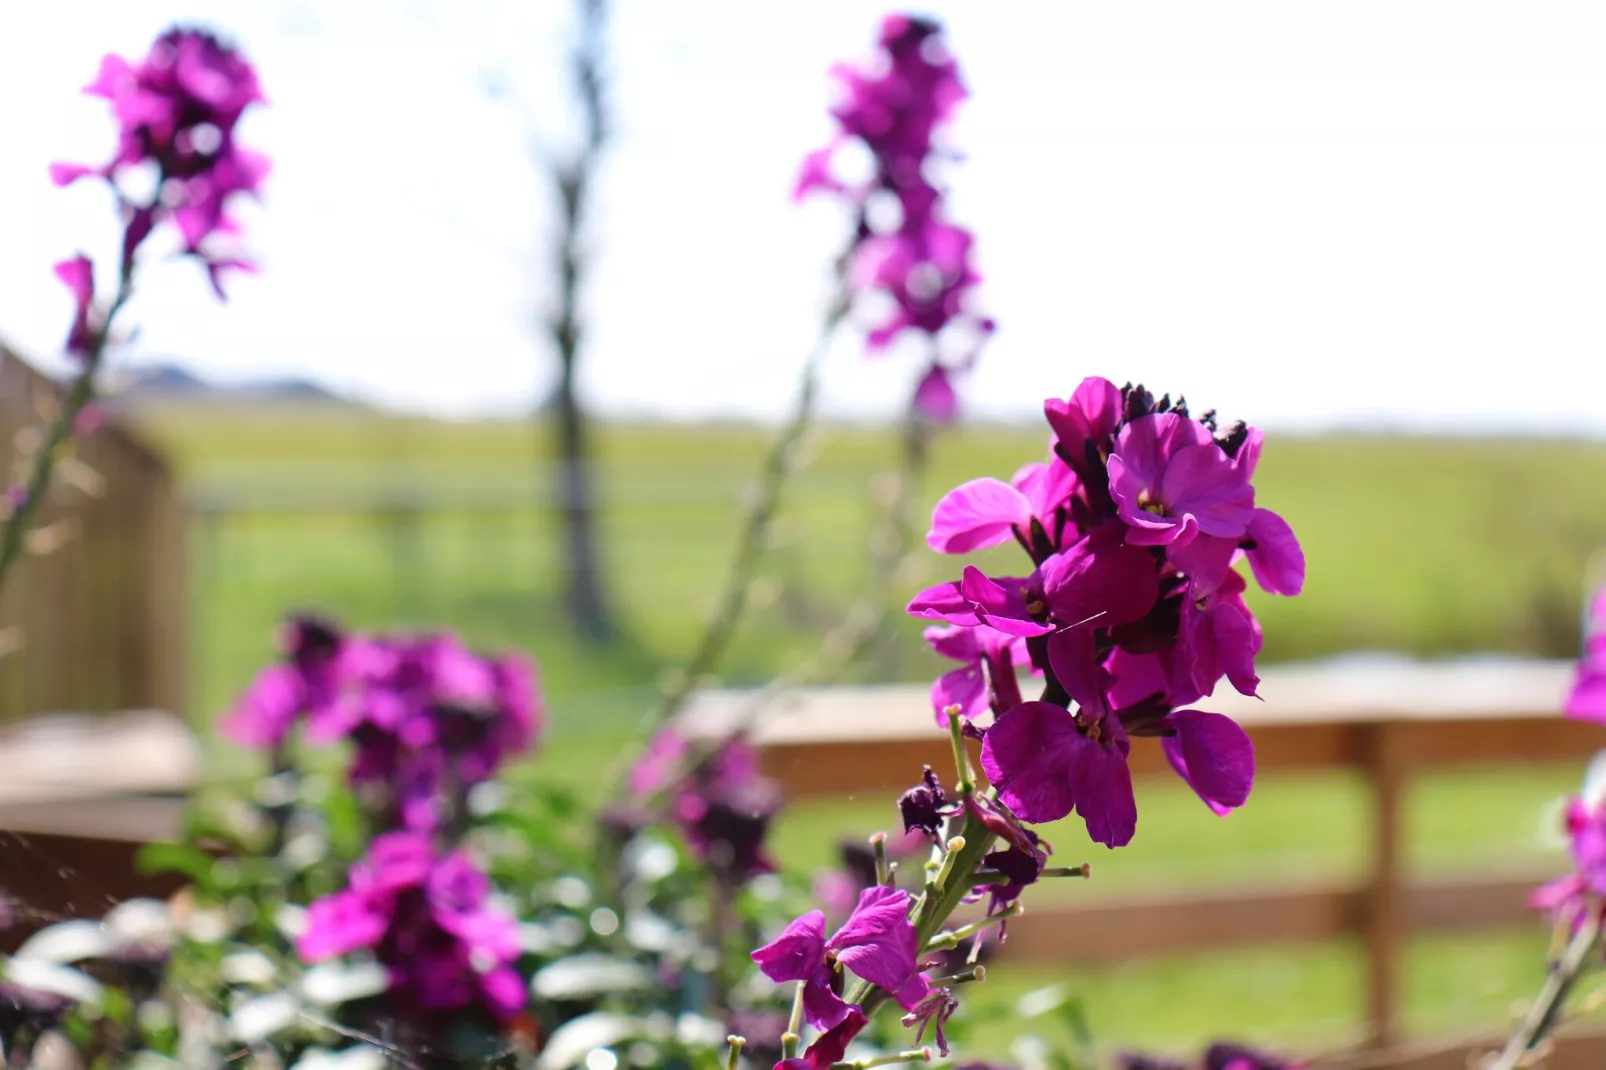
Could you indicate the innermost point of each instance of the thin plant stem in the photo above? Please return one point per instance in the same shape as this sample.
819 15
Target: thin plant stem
1547 1009
779 465
59 432
866 618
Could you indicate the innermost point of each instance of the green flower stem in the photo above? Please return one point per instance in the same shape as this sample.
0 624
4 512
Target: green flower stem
953 938
985 877
935 907
78 395
921 1056
1546 1011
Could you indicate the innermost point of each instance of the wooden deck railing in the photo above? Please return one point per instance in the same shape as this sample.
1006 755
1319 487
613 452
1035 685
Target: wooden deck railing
1388 721
96 623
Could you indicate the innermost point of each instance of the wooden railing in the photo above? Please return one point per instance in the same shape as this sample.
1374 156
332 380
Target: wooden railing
1388 721
93 620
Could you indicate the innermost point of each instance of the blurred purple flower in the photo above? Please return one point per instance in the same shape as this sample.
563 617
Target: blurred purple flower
1586 700
905 251
78 275
176 110
428 920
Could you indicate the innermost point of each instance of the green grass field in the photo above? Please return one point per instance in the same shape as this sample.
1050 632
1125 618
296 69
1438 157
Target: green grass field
1426 546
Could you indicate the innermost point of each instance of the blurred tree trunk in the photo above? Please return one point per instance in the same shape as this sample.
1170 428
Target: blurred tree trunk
584 594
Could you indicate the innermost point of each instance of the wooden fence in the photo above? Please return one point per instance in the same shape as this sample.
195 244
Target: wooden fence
93 620
1386 721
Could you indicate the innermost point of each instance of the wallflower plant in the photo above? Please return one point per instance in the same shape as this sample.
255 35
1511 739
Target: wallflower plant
176 110
388 891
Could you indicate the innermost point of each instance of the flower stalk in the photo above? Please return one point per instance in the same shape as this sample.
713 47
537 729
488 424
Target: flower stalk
893 1059
78 396
1546 1012
954 937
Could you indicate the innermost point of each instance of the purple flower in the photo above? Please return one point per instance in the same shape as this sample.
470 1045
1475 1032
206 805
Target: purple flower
935 397
933 1012
1586 700
1586 833
657 763
428 717
725 826
877 943
1045 762
1222 1056
78 275
1131 613
989 657
429 921
908 254
988 512
831 1045
177 109
317 665
1172 482
1212 755
1137 1060
925 807
264 715
1220 637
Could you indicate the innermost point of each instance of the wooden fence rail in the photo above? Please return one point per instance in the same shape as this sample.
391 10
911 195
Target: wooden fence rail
1388 721
96 623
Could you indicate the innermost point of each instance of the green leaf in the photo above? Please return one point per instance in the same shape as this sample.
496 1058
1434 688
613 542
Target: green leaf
192 862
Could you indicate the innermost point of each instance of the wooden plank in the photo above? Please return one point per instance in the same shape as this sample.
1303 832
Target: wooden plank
102 615
53 878
1106 931
1339 691
1578 1047
77 757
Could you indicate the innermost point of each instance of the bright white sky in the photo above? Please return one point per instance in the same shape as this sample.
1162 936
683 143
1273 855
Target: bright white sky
1302 214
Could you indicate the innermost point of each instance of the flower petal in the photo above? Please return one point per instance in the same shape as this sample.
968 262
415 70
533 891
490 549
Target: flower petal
1202 482
830 1047
965 688
795 954
1587 699
1104 794
976 515
1213 756
935 398
822 1007
1028 755
943 602
1276 559
1000 603
878 942
1073 655
1101 580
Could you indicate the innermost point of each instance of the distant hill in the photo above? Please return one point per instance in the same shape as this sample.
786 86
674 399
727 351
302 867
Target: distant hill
169 383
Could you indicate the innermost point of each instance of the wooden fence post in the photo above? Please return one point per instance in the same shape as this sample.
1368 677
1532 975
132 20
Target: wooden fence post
1383 760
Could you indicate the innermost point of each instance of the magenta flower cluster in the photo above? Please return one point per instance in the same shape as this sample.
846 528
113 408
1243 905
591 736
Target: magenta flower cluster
176 111
427 717
1568 897
428 918
877 942
1132 611
722 804
906 250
